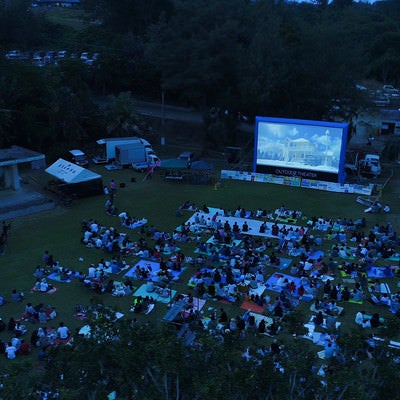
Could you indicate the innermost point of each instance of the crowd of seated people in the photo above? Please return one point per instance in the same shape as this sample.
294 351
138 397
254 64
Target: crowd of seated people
113 241
283 213
142 304
96 277
41 285
241 212
252 250
131 222
40 313
341 225
281 306
190 206
101 237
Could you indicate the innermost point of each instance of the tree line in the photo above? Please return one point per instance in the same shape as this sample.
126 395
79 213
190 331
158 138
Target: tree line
265 57
149 362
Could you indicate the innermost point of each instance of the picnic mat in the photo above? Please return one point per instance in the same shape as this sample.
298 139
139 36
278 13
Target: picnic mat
250 305
235 242
153 295
355 301
258 318
260 290
314 255
198 304
56 277
254 224
271 284
153 268
283 263
380 272
51 291
169 253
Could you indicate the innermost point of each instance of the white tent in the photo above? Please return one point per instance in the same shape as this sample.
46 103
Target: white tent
71 173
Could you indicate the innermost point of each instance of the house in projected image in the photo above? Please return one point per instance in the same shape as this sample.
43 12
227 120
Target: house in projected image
297 150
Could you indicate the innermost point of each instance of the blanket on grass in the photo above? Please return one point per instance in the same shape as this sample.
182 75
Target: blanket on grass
272 284
260 290
259 317
152 270
380 272
154 295
283 263
197 305
50 291
253 224
250 305
55 276
212 240
315 255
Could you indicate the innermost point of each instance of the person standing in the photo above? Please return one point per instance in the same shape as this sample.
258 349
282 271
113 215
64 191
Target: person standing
149 172
113 189
6 228
3 241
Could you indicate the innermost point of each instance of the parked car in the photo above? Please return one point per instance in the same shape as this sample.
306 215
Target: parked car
361 88
84 56
13 55
390 89
78 157
62 54
382 101
38 61
51 54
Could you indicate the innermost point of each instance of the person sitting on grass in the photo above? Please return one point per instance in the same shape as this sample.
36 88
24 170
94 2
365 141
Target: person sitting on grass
45 286
318 319
62 331
357 294
375 321
361 320
30 312
11 351
16 297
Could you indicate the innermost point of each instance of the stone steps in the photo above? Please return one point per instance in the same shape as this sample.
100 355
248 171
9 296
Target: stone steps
26 208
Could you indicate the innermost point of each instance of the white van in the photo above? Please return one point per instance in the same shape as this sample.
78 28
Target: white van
78 157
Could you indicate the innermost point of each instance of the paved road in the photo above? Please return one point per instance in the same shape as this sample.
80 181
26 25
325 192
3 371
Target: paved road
179 114
170 112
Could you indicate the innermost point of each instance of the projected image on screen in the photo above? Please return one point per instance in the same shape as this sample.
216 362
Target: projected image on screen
312 146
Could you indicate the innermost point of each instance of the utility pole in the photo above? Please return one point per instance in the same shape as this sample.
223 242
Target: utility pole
162 116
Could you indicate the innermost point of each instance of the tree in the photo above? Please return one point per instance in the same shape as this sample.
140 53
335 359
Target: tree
385 56
121 115
128 16
197 50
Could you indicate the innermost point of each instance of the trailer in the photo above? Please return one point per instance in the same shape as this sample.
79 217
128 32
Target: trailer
127 154
367 165
107 147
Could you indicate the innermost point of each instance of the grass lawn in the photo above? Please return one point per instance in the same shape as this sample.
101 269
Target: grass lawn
59 232
74 19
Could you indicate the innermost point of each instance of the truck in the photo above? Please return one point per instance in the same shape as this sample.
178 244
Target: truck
135 154
368 164
108 147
